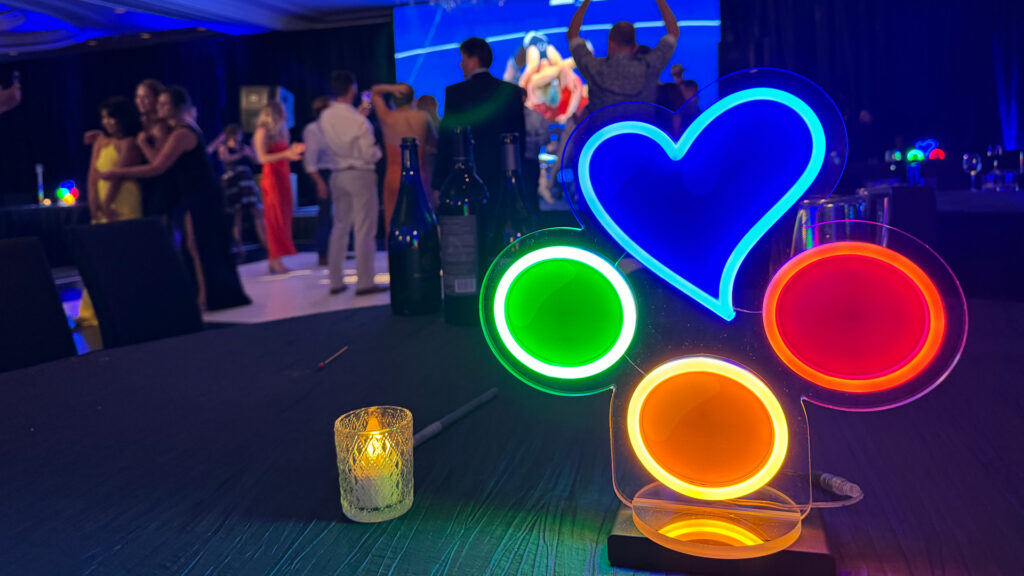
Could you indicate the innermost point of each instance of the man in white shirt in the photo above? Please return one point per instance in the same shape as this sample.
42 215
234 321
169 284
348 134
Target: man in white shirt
319 163
349 137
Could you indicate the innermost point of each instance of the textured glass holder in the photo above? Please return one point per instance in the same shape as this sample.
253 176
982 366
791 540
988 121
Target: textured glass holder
374 447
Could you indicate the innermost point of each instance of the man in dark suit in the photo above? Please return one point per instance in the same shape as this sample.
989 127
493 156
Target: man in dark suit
490 107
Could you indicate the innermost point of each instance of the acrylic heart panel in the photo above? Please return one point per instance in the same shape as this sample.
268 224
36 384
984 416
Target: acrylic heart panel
690 202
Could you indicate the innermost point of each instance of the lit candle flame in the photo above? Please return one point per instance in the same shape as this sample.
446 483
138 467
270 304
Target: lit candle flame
378 447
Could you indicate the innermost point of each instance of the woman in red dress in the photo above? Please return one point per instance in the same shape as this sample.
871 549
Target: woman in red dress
273 151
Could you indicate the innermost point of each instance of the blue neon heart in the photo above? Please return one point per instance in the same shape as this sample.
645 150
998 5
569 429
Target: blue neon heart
926 146
692 220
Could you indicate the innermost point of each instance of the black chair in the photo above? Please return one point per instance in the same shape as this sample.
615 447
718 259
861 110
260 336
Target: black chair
33 327
136 280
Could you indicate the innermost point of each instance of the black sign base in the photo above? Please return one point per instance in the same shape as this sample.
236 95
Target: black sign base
808 556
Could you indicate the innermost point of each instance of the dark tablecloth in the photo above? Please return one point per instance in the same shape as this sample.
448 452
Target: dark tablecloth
981 237
213 454
48 223
975 202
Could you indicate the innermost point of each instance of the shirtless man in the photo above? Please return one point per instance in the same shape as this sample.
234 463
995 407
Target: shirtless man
402 121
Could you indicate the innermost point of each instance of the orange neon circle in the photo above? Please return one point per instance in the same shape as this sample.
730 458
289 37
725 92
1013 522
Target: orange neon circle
707 428
924 354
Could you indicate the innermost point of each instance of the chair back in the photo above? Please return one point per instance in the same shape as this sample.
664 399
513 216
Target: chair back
33 326
136 280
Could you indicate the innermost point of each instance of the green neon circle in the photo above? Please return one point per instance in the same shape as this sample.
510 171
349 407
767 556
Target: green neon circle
564 313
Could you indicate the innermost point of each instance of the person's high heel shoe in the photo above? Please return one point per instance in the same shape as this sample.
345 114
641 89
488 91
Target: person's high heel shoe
279 269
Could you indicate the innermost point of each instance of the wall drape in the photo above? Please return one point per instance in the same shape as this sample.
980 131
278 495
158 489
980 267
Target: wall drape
941 68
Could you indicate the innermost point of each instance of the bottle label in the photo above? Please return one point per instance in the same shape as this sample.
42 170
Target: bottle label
459 254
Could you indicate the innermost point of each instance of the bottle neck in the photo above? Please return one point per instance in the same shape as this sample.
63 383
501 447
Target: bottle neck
510 158
464 159
410 159
463 153
411 206
515 208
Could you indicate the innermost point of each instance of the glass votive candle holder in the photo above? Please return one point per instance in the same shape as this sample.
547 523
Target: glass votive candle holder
374 447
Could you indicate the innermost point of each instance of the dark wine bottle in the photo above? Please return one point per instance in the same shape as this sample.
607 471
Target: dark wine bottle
414 248
464 247
516 219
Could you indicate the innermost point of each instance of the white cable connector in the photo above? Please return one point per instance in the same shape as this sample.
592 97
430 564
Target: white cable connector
839 485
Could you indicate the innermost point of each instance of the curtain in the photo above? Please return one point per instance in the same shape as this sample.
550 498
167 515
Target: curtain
921 69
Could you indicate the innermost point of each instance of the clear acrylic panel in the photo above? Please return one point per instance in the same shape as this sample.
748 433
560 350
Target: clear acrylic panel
881 322
707 435
557 313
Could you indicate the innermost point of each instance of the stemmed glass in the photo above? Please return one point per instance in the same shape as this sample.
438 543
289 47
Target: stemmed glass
972 166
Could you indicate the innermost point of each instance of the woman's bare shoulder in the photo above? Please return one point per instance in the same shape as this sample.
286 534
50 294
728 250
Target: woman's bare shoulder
160 128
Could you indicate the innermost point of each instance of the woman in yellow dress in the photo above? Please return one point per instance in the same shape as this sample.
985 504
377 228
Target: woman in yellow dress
110 201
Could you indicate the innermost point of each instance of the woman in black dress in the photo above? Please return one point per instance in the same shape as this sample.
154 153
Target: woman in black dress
198 211
156 200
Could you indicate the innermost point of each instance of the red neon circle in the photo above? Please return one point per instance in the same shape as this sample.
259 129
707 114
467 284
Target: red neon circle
937 154
854 317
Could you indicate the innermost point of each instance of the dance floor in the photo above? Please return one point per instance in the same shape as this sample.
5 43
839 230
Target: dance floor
301 292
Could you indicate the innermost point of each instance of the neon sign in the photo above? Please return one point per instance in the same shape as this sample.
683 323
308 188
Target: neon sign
862 326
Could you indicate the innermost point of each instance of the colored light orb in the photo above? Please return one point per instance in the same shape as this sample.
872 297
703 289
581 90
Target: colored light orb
564 312
854 317
897 156
915 155
937 154
66 193
707 428
711 531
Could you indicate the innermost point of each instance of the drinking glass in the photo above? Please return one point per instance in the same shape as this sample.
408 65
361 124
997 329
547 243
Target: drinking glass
972 165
